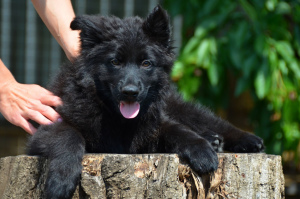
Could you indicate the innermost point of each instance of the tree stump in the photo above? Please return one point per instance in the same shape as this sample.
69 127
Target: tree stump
150 176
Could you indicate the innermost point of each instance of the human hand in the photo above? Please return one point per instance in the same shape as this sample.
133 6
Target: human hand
22 102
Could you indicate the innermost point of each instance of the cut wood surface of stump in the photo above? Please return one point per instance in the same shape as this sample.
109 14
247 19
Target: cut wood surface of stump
150 176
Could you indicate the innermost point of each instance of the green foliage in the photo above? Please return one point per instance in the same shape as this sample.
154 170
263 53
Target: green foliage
257 43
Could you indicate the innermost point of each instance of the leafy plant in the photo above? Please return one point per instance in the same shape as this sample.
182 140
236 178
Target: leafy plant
256 42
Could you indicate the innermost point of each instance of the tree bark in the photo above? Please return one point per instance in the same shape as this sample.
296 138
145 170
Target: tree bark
150 176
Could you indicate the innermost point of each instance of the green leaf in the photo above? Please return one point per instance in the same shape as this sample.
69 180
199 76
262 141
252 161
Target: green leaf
289 85
189 86
290 111
213 46
285 49
194 84
249 9
178 70
240 34
209 6
273 59
291 133
282 66
191 45
200 32
277 104
260 84
213 74
203 53
283 8
295 67
271 4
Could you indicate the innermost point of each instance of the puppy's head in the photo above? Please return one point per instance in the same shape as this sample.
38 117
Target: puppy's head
127 61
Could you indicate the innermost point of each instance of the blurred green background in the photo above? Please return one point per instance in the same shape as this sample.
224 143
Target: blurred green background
247 50
238 57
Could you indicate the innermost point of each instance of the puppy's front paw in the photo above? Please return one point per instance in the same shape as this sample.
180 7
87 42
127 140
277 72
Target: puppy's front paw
62 180
201 156
214 139
58 187
248 143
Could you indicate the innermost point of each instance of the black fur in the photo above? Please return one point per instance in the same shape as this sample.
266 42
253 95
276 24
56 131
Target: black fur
127 60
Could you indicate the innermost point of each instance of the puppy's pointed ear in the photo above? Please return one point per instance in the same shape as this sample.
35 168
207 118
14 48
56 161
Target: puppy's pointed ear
90 34
157 26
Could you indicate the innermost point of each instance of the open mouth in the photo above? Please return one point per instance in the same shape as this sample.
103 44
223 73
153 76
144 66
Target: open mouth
129 110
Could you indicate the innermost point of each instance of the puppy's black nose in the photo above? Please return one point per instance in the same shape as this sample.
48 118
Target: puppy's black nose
130 91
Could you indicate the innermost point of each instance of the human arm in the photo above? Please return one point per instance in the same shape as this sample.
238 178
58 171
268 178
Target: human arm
57 16
21 102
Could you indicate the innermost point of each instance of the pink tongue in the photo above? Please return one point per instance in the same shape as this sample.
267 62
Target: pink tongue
129 109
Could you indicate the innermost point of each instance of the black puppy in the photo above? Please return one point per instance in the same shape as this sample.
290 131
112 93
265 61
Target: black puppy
117 98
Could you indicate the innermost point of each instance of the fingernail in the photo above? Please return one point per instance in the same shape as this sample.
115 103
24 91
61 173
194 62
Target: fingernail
59 119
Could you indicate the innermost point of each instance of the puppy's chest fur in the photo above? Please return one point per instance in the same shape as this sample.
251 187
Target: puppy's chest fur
104 130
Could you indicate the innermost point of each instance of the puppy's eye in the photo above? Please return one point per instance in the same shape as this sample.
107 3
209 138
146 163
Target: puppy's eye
115 62
146 63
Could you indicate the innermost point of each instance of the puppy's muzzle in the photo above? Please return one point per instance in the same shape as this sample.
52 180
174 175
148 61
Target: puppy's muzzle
130 92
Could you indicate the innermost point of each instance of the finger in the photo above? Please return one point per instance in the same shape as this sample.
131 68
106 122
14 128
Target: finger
49 112
38 117
27 126
19 121
50 99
